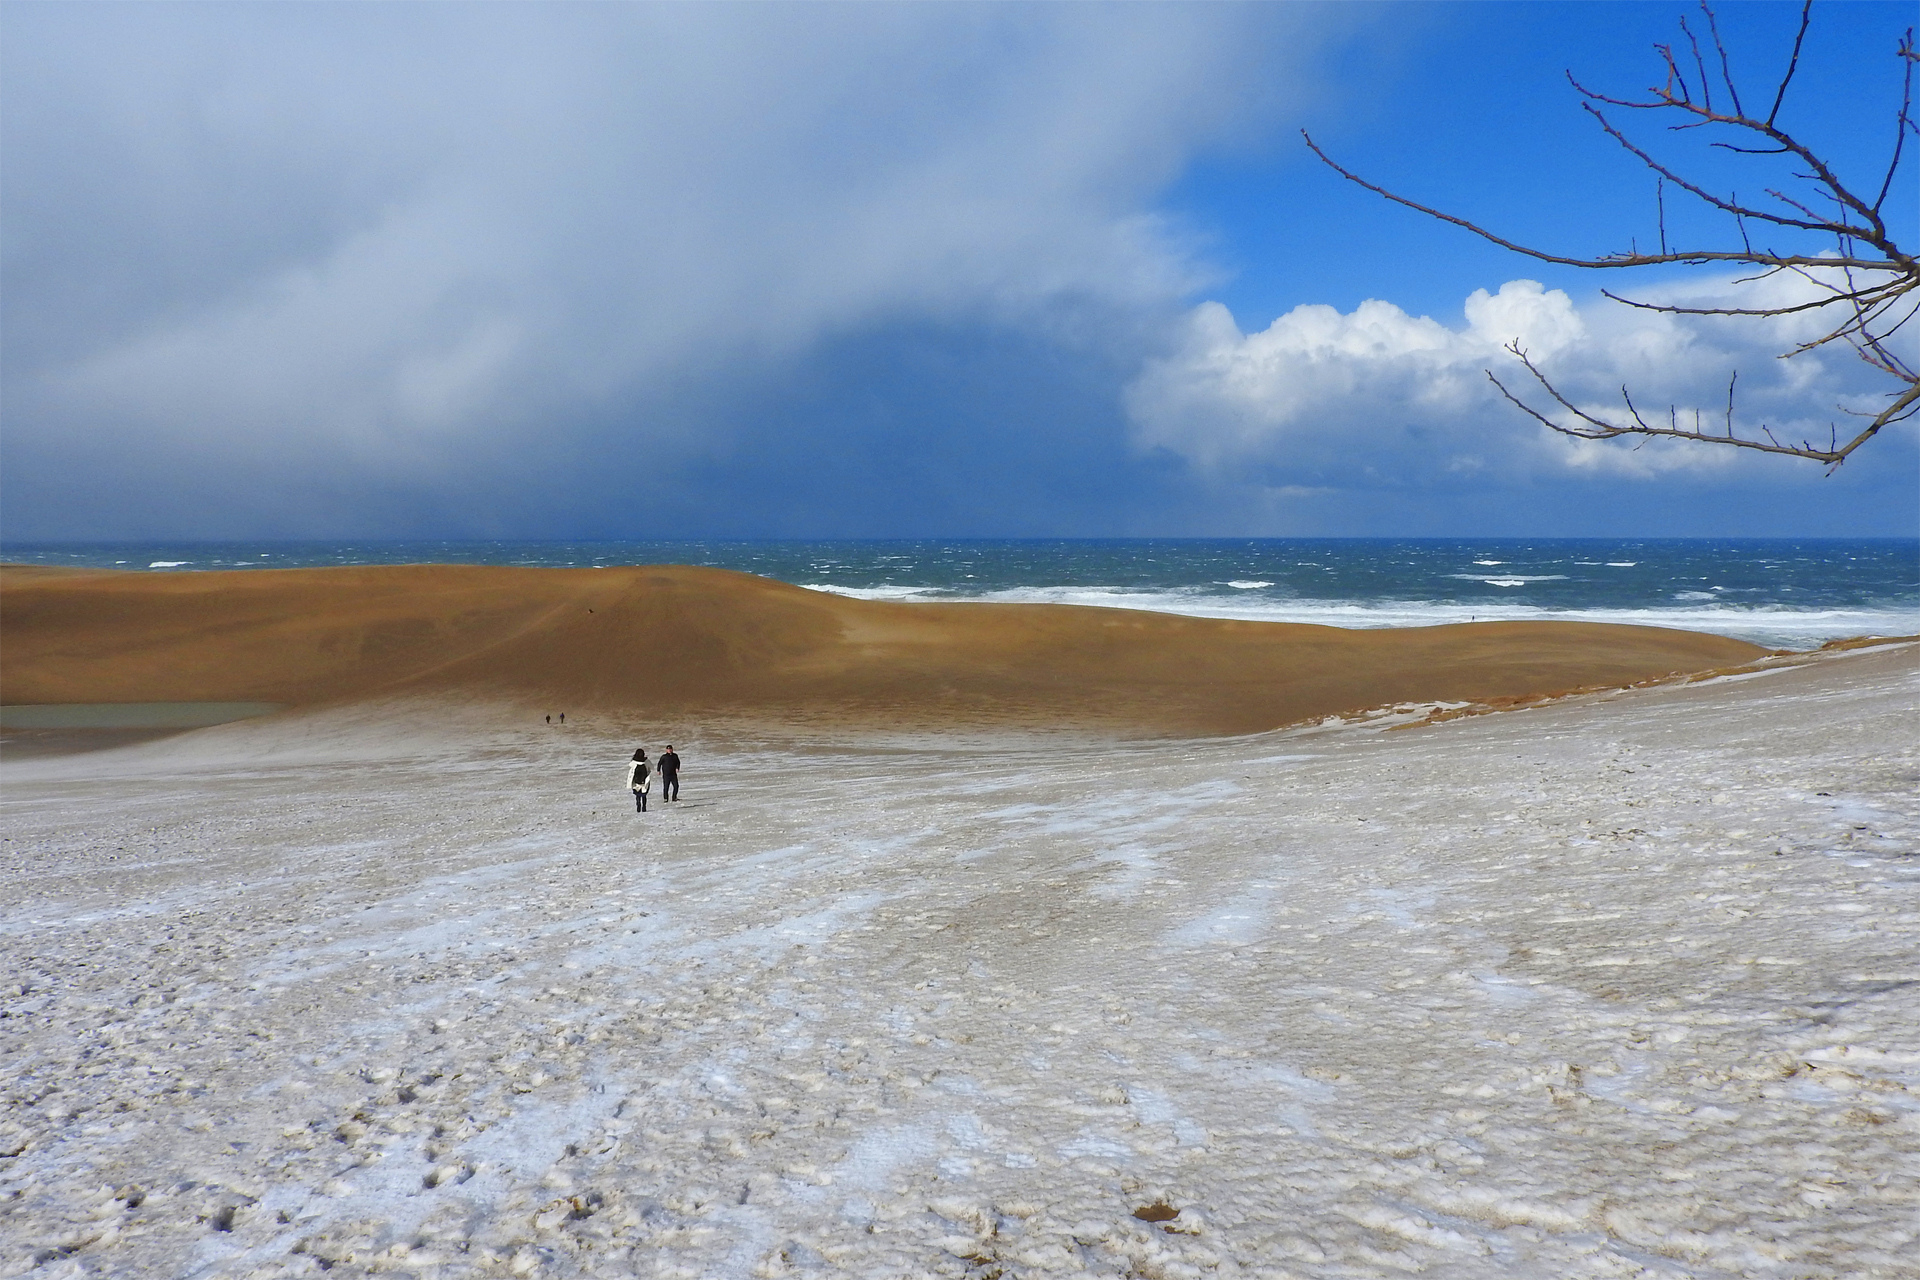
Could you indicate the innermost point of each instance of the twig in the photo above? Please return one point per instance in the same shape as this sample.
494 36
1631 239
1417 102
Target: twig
1864 272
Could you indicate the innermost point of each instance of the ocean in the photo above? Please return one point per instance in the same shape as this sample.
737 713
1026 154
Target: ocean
1784 593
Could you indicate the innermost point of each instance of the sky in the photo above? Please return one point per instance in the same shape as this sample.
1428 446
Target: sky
915 270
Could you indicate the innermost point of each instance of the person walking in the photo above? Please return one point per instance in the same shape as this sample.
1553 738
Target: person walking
669 774
639 779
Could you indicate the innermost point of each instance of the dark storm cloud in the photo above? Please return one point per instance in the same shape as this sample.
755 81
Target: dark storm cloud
307 268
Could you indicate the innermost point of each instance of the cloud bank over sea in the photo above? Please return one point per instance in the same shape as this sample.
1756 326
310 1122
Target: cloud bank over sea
401 242
449 270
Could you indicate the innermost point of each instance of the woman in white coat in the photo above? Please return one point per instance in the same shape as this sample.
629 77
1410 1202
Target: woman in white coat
639 779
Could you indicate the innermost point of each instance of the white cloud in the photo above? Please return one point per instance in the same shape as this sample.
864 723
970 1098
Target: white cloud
1377 395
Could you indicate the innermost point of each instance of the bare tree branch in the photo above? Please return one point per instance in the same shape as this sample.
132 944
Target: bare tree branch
1868 280
1903 124
1589 426
1793 63
1688 257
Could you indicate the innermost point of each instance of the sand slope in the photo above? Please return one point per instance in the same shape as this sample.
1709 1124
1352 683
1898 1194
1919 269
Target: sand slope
684 639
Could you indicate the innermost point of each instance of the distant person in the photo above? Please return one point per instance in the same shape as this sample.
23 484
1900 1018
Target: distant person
563 717
639 779
549 717
669 774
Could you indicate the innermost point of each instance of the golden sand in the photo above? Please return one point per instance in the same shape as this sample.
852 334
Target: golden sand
689 640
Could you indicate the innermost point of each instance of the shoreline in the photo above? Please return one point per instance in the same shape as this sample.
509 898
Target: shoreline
690 642
1784 593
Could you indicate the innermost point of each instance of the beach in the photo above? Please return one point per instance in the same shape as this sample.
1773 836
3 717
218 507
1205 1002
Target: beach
395 981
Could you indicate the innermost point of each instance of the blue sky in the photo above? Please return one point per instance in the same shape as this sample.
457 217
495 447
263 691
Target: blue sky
875 270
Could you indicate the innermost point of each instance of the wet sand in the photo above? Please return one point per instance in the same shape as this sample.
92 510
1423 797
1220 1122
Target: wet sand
21 744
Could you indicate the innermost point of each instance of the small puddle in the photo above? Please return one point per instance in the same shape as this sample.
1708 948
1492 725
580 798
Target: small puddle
130 715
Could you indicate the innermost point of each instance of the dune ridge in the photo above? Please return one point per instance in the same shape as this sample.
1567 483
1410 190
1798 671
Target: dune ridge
670 638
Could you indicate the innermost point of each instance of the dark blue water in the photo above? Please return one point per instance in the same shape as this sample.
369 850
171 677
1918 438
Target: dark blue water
1788 593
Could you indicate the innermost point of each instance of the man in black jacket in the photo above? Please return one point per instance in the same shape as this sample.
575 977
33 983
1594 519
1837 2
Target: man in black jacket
669 767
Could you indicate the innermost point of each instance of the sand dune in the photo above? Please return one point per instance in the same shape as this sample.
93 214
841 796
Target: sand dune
685 639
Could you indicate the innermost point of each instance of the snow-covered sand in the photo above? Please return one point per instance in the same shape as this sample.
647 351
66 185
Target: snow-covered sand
1620 986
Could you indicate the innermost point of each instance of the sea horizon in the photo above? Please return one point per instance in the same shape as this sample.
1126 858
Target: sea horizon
1784 592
